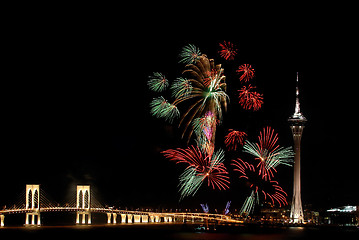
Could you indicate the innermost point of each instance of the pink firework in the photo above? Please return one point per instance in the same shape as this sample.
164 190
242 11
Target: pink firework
271 190
204 129
227 51
250 99
208 124
234 138
247 72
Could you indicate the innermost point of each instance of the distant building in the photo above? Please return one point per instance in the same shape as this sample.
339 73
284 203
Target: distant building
345 216
278 215
281 215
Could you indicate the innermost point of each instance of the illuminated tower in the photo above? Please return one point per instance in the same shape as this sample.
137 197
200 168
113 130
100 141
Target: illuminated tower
297 122
83 204
32 204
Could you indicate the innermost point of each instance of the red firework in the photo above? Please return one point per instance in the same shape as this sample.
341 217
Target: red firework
270 189
192 156
227 50
234 138
248 72
209 167
250 99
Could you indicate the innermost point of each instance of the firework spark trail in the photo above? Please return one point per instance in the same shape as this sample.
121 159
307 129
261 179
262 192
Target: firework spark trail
191 156
228 51
226 210
247 72
268 153
216 172
199 167
248 205
189 182
205 207
250 99
233 139
244 168
241 167
268 139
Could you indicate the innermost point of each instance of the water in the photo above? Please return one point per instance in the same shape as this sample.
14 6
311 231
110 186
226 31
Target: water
177 231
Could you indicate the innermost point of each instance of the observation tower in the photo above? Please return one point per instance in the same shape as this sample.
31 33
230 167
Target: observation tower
297 122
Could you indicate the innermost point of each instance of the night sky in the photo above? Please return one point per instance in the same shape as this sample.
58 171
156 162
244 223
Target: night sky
75 105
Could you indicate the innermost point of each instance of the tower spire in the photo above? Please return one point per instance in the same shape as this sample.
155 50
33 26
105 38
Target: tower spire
297 104
297 114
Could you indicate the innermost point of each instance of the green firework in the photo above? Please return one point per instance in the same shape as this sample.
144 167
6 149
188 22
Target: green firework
189 182
249 203
181 87
157 82
189 54
161 108
271 159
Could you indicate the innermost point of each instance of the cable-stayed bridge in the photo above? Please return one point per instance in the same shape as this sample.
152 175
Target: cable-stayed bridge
36 202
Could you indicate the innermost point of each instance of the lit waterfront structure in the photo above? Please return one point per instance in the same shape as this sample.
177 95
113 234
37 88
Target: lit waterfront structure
297 122
33 204
345 216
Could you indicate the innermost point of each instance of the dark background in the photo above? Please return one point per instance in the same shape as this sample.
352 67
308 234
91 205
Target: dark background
75 102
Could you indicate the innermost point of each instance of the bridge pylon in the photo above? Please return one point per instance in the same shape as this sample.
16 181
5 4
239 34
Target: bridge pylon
2 220
112 216
32 199
83 204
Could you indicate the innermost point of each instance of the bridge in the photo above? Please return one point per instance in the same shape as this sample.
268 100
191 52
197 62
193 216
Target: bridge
36 203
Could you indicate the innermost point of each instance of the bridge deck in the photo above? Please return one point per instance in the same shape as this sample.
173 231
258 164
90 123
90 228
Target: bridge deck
209 216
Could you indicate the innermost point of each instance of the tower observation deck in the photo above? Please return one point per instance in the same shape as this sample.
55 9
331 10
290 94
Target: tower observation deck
297 122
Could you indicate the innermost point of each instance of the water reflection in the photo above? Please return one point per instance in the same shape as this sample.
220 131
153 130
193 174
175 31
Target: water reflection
160 231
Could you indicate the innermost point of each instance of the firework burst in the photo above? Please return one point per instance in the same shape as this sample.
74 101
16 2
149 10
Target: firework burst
181 87
203 91
268 153
246 71
204 128
161 108
157 82
207 93
189 54
268 191
200 166
233 139
250 99
227 51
